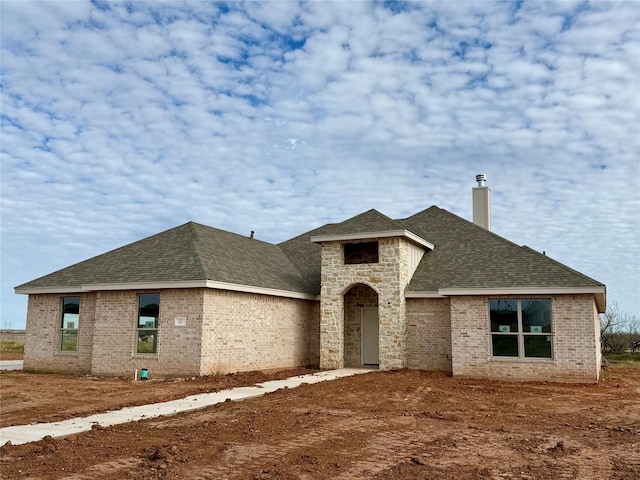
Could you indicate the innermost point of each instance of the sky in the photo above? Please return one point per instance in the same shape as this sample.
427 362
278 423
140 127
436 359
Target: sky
120 120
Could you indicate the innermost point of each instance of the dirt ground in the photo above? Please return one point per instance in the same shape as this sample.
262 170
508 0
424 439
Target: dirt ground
383 425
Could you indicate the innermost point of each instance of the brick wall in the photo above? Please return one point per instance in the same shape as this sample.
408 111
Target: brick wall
429 334
575 337
244 331
178 348
224 332
42 339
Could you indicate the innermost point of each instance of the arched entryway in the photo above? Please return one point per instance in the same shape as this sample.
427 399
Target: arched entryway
361 326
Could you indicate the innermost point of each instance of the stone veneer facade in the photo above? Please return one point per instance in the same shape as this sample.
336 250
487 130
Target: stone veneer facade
387 278
224 332
357 298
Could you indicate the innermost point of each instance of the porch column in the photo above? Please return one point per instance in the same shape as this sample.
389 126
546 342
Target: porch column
331 330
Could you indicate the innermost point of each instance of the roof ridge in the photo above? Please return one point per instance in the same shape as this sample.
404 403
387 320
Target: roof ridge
195 244
228 232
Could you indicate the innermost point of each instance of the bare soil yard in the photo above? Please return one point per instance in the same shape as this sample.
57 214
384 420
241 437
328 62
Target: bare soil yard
383 425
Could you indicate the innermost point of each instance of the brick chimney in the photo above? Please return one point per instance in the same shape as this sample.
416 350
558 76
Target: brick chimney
482 203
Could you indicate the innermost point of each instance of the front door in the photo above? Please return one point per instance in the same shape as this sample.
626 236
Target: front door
369 331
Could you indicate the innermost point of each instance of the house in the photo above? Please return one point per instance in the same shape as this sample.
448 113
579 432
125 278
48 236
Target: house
432 291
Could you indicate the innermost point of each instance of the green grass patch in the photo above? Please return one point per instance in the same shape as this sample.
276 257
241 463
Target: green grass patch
7 346
623 359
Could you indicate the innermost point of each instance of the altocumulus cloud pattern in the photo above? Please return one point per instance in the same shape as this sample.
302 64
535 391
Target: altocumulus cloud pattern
122 119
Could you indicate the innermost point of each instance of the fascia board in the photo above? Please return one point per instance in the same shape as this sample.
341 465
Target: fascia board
94 287
367 235
39 290
260 290
599 292
522 290
424 295
165 285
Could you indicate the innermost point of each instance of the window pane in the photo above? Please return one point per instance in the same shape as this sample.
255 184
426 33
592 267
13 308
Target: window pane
148 311
69 341
505 345
70 312
366 252
537 346
504 315
536 316
147 341
70 320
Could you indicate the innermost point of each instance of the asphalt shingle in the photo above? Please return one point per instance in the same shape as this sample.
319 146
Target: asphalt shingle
185 253
465 256
468 256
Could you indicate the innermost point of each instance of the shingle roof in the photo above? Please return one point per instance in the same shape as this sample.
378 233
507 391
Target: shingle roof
306 257
465 256
468 256
369 221
185 253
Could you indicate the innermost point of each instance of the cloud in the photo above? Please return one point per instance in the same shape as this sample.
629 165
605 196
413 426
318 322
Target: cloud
120 120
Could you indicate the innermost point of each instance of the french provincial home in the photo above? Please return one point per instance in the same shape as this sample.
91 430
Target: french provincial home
431 291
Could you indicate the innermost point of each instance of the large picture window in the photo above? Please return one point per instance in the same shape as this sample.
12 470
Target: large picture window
70 324
147 332
521 328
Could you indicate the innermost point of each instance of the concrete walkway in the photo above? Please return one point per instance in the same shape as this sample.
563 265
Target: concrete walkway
10 364
31 433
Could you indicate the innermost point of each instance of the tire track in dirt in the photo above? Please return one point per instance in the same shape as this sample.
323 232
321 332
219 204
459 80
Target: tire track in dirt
106 469
387 449
238 456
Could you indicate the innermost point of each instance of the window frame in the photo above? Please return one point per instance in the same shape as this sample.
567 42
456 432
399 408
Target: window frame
65 331
521 335
358 258
143 329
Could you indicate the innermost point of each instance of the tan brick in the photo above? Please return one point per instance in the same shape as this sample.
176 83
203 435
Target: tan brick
224 332
575 337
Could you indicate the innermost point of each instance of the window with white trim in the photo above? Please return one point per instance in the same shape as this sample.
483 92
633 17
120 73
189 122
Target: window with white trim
147 331
70 323
521 328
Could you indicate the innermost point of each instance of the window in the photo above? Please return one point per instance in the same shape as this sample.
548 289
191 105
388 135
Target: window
520 328
363 252
70 324
147 333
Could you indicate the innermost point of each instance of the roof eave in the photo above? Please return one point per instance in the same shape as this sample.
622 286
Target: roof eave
424 295
599 292
166 285
410 236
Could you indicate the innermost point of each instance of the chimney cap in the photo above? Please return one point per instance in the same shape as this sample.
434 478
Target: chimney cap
481 178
